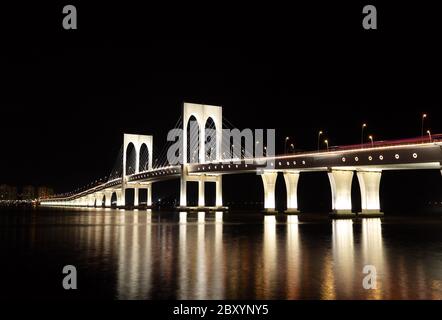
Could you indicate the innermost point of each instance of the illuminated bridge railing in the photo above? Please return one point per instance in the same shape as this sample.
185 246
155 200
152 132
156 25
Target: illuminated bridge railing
155 174
391 143
397 155
103 186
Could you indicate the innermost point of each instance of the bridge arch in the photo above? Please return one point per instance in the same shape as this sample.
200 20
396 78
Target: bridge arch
131 155
133 147
143 158
201 115
193 140
210 149
114 199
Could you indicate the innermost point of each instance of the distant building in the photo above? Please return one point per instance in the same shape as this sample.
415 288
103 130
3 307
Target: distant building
44 192
8 192
28 193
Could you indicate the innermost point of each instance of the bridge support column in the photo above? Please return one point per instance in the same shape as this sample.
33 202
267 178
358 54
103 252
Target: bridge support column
219 191
369 183
183 191
201 189
90 200
149 195
291 179
99 199
269 182
108 201
121 198
136 197
340 183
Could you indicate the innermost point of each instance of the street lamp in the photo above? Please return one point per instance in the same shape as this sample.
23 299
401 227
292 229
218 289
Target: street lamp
326 142
292 147
319 138
371 139
429 134
364 125
424 116
285 144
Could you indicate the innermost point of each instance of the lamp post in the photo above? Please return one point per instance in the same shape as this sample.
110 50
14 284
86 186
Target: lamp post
326 143
429 135
424 116
319 138
292 147
364 125
371 139
285 144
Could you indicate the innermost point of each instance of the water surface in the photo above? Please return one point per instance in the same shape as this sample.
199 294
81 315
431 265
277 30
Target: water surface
122 254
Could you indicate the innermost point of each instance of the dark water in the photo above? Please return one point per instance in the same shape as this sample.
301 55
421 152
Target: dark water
143 255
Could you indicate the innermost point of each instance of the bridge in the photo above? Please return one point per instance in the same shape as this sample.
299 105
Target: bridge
367 161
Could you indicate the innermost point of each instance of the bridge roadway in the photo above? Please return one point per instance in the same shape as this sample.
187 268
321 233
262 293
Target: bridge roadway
367 162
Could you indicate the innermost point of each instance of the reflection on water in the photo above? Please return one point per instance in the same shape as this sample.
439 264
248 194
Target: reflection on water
269 258
183 217
201 259
373 253
142 254
293 258
343 257
219 216
201 263
201 217
135 255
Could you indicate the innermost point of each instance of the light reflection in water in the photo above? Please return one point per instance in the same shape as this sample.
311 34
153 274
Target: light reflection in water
343 256
134 257
222 260
269 256
292 219
373 253
149 216
183 274
201 272
293 258
218 216
201 263
183 217
201 216
218 263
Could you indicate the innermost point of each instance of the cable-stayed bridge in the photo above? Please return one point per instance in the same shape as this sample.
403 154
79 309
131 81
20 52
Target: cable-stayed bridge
206 158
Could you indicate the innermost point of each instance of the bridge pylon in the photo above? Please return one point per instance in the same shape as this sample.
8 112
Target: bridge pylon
138 141
201 144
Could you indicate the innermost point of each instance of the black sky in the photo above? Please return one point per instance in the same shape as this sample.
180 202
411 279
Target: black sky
66 97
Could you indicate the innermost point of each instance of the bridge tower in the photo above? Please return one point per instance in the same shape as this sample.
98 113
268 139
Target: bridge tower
138 141
198 146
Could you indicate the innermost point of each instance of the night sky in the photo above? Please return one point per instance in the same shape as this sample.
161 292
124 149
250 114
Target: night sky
66 97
